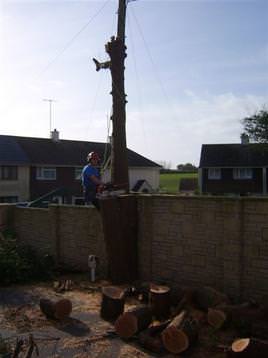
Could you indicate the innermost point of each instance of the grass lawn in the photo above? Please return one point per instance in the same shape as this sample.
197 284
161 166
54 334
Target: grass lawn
170 182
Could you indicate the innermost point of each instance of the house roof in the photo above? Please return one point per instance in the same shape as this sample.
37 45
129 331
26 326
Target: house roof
234 155
44 151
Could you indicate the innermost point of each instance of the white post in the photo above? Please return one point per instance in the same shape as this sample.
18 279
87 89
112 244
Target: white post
92 264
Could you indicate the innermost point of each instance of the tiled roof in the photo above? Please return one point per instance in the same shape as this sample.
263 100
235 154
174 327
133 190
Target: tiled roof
11 151
44 151
234 155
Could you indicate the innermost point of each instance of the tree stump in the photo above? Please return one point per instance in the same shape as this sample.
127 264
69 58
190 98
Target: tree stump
150 338
180 334
160 301
113 301
207 297
56 310
249 348
134 321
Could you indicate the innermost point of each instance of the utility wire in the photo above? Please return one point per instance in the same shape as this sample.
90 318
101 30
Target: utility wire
137 77
68 44
151 59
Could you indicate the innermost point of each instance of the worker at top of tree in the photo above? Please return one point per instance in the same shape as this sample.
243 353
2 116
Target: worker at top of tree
91 179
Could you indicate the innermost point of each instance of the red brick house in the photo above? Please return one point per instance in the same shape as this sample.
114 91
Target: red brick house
33 167
239 169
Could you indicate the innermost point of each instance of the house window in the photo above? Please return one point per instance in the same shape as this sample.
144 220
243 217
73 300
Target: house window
45 173
214 173
8 199
242 173
9 172
78 173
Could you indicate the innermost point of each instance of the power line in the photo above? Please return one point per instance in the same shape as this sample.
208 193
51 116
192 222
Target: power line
153 63
137 77
68 44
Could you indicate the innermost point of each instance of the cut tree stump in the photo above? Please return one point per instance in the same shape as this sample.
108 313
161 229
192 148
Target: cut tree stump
112 304
56 310
134 321
180 334
207 297
150 338
160 301
249 348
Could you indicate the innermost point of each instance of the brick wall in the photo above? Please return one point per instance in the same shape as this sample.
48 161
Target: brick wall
222 242
69 233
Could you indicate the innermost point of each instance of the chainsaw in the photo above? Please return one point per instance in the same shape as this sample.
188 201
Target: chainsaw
110 189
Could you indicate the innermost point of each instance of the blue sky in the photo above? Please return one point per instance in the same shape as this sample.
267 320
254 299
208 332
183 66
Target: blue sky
194 69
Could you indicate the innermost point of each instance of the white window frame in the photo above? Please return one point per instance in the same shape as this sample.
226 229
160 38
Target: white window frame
41 173
214 173
78 173
242 173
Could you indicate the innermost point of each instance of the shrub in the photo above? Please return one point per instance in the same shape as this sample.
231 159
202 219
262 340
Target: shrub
22 263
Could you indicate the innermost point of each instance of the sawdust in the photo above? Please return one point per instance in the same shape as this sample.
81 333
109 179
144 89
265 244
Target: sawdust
74 337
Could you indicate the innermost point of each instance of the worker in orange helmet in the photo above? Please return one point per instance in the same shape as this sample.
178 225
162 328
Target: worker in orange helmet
91 180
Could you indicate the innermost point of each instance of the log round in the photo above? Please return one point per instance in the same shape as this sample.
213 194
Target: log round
113 301
249 348
150 338
56 310
134 321
180 334
160 301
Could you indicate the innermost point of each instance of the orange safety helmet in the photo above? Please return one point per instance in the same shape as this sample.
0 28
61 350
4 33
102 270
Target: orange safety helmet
93 155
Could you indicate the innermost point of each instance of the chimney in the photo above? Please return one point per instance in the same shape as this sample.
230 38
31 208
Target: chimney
244 138
55 135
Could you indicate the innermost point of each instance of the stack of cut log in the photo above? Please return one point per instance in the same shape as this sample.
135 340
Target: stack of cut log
160 327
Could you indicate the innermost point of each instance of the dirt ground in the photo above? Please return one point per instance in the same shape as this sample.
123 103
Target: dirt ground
20 316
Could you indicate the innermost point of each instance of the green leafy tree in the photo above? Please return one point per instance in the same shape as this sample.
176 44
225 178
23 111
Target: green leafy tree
256 126
186 167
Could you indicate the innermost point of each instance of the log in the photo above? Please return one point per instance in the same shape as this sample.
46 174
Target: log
150 338
56 310
133 321
242 316
217 318
160 301
207 297
249 348
113 301
185 302
180 334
